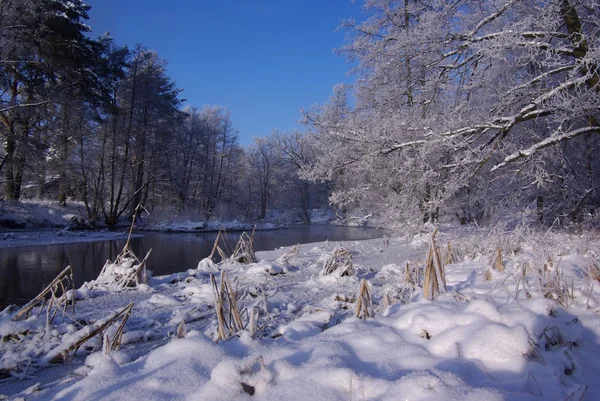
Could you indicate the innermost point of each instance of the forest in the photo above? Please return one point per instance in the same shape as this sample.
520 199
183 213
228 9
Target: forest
462 110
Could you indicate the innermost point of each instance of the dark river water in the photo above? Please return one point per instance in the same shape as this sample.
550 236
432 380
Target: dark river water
26 270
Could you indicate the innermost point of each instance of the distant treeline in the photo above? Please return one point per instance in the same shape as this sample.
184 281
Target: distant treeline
85 119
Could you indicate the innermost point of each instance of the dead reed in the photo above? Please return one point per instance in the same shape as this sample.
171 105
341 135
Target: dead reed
62 283
498 262
339 262
364 301
229 318
434 274
63 352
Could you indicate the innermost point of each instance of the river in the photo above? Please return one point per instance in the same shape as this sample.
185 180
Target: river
26 270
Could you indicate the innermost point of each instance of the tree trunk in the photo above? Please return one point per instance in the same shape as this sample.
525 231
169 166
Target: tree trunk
9 177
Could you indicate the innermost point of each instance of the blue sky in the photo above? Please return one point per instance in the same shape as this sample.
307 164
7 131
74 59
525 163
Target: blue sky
263 59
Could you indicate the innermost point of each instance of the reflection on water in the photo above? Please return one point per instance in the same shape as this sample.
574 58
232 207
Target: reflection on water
25 271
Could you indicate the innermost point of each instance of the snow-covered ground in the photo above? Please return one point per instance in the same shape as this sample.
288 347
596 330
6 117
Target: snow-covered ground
529 332
39 214
17 238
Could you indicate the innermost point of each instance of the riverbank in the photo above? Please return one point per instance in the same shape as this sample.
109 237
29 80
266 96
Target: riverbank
44 215
524 332
18 238
40 215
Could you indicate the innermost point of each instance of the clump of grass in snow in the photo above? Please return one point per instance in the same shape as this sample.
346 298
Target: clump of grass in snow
592 268
554 286
244 249
243 252
451 256
339 263
290 256
229 316
127 270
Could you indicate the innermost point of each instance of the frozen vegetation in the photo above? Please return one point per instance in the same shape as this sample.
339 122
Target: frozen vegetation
518 320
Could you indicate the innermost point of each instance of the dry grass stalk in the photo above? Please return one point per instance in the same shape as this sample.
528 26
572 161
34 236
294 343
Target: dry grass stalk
499 261
181 330
449 257
487 275
127 252
364 302
253 323
229 318
289 257
219 309
592 268
340 262
244 249
63 282
99 328
430 280
118 337
408 277
106 345
386 301
524 270
434 275
221 238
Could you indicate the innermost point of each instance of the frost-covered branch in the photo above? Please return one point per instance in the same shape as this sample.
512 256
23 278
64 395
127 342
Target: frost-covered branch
23 105
493 16
552 140
398 146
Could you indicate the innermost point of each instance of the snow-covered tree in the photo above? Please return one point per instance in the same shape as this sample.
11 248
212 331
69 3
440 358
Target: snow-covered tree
466 106
44 54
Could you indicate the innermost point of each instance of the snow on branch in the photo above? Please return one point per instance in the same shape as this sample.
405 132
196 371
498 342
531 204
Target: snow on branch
9 108
493 16
540 77
543 144
528 112
399 146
